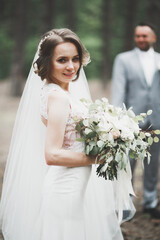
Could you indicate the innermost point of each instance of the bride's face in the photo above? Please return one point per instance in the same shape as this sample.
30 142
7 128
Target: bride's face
65 63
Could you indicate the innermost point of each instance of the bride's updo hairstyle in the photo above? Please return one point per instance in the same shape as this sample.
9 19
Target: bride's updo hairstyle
42 66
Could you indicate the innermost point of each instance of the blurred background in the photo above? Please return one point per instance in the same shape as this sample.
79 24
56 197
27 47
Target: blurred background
105 27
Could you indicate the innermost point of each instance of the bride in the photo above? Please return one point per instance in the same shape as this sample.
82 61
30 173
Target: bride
50 189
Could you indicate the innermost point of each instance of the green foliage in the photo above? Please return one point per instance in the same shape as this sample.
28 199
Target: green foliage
88 21
150 140
30 51
89 30
93 45
157 131
5 50
156 139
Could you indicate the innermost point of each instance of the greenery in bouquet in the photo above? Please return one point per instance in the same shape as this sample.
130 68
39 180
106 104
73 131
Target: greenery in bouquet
112 134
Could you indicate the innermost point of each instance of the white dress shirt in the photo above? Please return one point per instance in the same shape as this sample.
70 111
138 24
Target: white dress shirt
147 60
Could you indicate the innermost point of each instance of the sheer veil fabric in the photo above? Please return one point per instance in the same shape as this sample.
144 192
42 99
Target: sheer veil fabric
25 167
105 202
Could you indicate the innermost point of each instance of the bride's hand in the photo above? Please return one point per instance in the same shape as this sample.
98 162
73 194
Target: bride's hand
92 159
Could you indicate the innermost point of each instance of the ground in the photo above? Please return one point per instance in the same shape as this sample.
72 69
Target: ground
141 227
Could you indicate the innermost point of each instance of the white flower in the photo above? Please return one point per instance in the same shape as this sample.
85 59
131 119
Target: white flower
105 100
87 130
104 125
128 123
103 136
86 123
127 135
110 138
100 143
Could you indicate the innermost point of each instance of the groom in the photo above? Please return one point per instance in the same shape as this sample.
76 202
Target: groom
136 82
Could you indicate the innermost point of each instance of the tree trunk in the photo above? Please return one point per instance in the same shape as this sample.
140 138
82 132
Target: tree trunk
49 15
71 14
106 41
19 34
2 9
153 16
129 24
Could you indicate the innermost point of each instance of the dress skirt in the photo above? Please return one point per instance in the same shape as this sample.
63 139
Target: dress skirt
75 207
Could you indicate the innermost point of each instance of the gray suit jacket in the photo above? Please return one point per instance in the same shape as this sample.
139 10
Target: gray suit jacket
129 86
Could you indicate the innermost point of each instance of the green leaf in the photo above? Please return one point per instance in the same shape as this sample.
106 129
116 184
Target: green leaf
80 139
118 157
132 154
95 123
92 107
156 139
78 127
102 157
157 131
92 143
91 135
95 150
131 113
142 135
87 150
150 140
143 114
90 147
148 157
85 100
139 118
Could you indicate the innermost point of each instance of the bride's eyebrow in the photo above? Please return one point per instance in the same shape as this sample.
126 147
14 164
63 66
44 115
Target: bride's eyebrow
76 55
67 56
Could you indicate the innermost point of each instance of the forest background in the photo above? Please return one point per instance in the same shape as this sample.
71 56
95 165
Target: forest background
105 27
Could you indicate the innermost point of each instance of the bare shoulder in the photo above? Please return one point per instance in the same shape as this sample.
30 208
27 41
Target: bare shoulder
58 96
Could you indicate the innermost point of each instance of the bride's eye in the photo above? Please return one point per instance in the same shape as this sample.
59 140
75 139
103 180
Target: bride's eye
62 60
76 59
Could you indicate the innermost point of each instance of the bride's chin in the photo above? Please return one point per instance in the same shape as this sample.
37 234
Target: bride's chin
70 79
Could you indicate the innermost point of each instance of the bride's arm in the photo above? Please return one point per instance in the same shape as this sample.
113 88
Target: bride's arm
58 111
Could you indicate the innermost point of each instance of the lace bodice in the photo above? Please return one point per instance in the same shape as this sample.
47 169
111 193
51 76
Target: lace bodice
77 111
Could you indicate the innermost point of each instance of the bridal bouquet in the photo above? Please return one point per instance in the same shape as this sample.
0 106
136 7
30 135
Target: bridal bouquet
112 134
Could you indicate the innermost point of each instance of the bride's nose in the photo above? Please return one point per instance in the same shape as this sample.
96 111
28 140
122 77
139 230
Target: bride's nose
70 65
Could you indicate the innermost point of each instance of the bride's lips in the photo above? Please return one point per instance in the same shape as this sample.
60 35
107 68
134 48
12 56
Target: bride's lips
69 74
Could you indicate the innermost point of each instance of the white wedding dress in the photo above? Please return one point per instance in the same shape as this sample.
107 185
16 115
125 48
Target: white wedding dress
74 204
